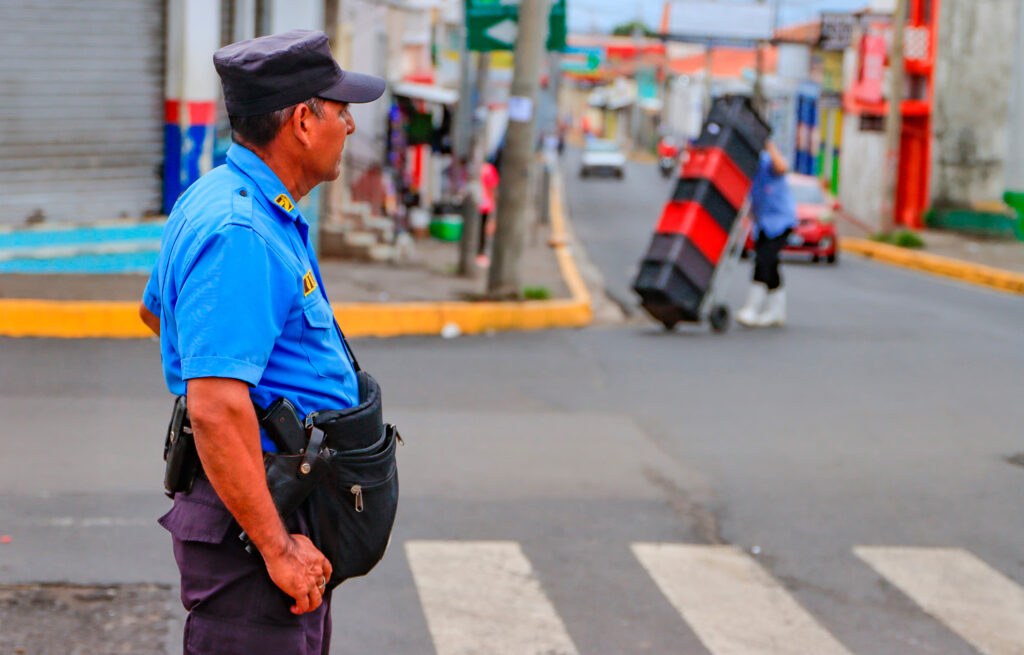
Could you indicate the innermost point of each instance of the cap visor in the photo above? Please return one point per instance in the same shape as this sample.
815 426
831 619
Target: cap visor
355 87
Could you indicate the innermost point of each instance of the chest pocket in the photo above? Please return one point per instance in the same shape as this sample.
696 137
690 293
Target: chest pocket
320 340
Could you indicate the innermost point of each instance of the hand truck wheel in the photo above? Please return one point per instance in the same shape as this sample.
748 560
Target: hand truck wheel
720 318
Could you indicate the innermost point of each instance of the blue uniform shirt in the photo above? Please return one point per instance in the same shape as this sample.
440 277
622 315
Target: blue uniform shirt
771 202
239 294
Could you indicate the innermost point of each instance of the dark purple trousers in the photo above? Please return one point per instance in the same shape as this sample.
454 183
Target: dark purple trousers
233 606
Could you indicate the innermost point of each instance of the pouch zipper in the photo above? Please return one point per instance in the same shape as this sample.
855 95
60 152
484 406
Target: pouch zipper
357 490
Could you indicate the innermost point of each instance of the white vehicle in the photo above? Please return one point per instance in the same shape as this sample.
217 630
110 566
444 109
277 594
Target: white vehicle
603 157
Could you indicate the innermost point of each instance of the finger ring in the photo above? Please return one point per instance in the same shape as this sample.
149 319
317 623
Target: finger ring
323 582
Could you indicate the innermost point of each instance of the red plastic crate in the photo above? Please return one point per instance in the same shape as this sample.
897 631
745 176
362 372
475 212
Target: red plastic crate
693 221
715 165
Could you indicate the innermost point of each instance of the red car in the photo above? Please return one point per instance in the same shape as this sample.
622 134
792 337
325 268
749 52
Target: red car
815 234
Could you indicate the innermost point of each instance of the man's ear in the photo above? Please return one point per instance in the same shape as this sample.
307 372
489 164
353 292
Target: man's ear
302 124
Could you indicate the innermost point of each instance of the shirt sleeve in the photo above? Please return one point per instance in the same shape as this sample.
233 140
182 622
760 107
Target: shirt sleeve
151 296
232 307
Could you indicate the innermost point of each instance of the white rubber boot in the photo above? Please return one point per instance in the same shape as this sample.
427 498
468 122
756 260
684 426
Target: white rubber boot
774 313
755 305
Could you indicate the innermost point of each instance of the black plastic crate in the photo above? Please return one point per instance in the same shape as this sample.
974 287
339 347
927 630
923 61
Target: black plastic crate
705 193
734 126
670 315
740 152
739 112
666 292
682 252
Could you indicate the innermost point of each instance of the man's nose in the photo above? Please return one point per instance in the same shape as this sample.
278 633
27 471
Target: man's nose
351 124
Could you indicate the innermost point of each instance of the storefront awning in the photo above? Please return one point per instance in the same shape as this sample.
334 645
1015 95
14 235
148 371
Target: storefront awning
426 92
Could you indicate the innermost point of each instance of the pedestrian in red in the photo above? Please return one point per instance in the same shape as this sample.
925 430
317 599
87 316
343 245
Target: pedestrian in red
488 184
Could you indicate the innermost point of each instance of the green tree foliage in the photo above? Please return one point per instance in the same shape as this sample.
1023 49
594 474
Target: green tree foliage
626 29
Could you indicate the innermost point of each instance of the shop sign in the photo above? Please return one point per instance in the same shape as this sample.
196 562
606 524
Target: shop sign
494 25
582 59
837 31
874 52
832 71
703 20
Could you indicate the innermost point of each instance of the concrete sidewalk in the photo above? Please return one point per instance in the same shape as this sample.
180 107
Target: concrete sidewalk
428 276
1006 254
990 262
423 296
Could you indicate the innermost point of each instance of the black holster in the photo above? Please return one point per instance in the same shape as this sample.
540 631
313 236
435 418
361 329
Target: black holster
182 460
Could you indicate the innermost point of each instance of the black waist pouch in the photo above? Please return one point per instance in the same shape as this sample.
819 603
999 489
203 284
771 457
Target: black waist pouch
348 487
352 508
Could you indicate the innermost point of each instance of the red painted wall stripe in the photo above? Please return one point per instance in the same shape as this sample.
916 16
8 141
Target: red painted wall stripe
695 223
172 112
202 113
199 113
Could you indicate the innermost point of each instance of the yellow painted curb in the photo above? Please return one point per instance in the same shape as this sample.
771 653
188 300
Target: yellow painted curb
120 320
398 319
66 319
986 276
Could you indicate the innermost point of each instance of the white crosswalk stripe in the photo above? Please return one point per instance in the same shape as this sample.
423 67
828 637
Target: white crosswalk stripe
731 603
978 603
482 597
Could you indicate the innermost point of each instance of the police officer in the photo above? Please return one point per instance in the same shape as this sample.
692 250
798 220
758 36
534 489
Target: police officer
237 299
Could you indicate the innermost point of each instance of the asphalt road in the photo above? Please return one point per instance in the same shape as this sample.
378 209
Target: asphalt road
880 416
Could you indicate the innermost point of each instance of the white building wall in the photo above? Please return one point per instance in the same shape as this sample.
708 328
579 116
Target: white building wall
682 115
364 24
1015 162
287 15
794 61
860 171
972 99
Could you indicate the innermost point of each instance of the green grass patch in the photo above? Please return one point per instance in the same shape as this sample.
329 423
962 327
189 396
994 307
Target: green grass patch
901 239
537 293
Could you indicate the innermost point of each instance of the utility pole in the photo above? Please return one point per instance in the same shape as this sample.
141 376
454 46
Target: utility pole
638 40
894 123
475 158
463 151
759 102
709 66
517 159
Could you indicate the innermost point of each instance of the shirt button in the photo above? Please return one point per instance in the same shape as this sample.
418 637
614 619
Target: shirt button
243 193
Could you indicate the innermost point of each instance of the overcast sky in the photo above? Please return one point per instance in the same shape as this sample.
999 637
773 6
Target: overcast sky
602 15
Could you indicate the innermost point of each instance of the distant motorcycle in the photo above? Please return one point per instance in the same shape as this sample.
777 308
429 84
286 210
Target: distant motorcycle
667 166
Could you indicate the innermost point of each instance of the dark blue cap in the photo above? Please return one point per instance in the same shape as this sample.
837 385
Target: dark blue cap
277 71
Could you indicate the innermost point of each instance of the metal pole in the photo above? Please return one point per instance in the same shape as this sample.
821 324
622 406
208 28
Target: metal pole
635 114
759 74
894 123
462 149
513 190
470 204
709 62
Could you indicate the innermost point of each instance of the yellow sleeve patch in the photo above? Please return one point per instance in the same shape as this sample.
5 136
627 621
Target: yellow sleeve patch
285 202
308 283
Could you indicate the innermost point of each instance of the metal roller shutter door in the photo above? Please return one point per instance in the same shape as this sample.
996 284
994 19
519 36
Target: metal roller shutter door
81 109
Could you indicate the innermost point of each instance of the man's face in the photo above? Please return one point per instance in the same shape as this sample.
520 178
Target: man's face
328 136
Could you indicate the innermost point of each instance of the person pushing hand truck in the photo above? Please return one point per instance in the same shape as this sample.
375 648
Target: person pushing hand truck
773 213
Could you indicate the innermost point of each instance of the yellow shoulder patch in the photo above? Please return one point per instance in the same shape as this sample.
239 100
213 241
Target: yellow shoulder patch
308 283
285 202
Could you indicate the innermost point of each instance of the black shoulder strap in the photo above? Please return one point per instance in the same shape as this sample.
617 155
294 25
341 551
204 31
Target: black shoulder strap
315 268
344 342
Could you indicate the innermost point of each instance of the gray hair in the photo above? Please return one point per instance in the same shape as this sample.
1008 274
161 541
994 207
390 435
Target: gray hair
261 129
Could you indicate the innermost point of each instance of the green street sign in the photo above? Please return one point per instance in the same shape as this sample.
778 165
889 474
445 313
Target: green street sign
494 25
